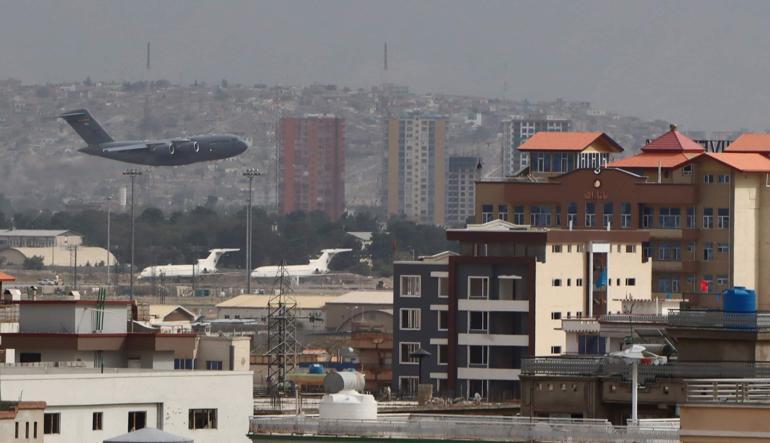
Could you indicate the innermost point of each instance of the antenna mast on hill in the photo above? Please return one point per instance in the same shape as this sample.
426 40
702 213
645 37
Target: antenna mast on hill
281 334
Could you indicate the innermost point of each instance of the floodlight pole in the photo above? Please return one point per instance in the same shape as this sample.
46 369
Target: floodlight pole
109 208
132 173
635 392
250 173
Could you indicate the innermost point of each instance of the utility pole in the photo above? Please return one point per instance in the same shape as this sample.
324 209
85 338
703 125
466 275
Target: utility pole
132 173
250 173
109 208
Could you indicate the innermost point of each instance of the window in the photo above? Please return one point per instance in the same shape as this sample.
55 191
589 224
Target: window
477 321
443 287
572 214
569 282
441 354
630 249
691 218
669 218
723 247
410 285
607 215
578 282
556 248
502 212
630 282
443 320
96 421
625 215
556 282
708 251
26 429
34 427
16 433
555 349
590 214
29 357
486 213
555 315
708 218
213 365
405 349
708 178
478 287
724 178
183 363
540 215
410 319
518 215
202 419
407 385
477 355
722 280
646 217
51 423
723 218
687 169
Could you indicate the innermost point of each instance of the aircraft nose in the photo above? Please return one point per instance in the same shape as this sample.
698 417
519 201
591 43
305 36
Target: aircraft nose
241 145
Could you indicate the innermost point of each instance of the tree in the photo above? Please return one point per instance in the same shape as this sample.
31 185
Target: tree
35 263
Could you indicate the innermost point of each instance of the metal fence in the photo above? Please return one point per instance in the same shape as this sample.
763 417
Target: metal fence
464 428
751 321
728 391
606 366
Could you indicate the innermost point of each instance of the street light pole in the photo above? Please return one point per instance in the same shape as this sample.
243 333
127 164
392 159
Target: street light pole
132 173
250 173
109 208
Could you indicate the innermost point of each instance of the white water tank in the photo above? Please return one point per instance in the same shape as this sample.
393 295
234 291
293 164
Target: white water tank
343 401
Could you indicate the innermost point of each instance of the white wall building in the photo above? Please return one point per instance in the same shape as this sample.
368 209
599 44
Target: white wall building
86 406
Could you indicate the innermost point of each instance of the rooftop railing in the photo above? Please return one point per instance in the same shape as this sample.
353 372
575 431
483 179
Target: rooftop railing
728 390
455 427
602 366
634 318
750 321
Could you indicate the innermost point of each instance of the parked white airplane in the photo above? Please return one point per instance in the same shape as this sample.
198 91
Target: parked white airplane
316 266
204 266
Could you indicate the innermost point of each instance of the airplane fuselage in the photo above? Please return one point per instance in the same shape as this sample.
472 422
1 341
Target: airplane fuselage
171 152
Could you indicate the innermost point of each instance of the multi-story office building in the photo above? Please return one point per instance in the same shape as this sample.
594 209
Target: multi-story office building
311 152
502 299
417 167
706 213
460 190
517 129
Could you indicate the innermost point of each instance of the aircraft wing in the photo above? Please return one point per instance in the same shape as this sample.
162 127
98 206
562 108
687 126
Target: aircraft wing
137 147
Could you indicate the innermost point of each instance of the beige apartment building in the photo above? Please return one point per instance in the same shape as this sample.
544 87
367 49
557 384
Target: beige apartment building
417 167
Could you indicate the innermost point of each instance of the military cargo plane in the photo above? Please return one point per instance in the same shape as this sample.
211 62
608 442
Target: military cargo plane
168 152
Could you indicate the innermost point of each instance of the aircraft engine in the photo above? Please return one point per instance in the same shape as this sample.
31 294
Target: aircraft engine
186 146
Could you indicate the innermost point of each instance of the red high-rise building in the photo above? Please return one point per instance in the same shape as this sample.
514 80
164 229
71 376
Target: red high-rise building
311 153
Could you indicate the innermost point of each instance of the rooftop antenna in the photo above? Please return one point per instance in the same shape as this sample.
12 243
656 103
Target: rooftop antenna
385 64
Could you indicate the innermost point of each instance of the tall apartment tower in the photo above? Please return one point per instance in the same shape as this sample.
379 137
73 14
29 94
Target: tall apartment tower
460 190
517 129
311 152
417 167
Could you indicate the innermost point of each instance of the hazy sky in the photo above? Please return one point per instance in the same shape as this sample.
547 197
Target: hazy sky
704 64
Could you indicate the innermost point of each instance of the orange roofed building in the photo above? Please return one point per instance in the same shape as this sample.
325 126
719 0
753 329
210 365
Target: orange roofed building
708 214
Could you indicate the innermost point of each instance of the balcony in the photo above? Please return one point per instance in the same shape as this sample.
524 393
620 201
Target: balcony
736 391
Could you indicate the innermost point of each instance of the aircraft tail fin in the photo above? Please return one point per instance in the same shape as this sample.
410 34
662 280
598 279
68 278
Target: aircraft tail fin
86 126
326 257
211 261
